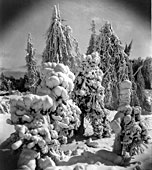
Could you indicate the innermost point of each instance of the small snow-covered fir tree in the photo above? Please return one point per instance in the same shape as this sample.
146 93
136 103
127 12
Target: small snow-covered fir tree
92 43
61 46
31 64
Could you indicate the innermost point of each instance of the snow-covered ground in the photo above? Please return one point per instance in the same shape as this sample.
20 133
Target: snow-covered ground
87 158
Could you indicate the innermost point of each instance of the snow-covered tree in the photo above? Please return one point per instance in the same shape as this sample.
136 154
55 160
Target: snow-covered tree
61 46
31 64
92 43
113 63
88 93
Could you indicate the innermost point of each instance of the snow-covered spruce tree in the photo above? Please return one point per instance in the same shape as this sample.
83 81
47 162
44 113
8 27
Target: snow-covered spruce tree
61 46
113 63
31 64
88 93
92 43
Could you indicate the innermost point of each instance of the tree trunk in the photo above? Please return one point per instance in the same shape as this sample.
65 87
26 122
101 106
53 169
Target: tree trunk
81 129
117 147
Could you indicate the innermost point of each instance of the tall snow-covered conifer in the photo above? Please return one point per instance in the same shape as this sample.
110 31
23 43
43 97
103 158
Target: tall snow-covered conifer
31 64
92 43
113 63
61 46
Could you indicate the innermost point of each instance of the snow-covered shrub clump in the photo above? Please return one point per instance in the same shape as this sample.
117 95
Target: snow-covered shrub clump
57 81
45 121
89 95
131 133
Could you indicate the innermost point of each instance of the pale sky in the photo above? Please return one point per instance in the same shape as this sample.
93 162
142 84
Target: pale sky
125 22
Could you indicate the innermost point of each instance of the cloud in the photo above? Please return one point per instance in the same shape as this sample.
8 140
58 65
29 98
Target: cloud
96 19
88 9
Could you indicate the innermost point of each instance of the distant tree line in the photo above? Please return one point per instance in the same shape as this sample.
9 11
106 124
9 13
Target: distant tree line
142 73
143 67
15 84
